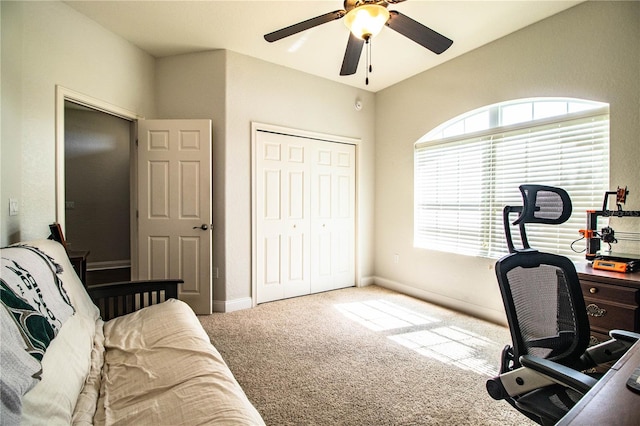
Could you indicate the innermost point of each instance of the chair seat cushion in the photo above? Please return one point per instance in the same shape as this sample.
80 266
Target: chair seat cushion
550 403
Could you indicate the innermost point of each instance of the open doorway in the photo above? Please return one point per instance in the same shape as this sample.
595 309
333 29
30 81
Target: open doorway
78 239
98 190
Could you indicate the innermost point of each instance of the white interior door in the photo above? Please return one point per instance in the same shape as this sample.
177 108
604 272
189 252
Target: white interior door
174 206
282 209
332 216
305 215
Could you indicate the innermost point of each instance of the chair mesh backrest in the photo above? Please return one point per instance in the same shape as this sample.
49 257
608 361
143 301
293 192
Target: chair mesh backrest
544 306
544 204
541 204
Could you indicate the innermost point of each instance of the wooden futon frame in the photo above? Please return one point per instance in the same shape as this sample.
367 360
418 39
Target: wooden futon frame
120 298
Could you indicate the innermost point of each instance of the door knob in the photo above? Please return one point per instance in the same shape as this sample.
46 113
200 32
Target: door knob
204 227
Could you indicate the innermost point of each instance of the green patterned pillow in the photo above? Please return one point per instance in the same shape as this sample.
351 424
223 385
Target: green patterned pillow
33 277
33 308
34 328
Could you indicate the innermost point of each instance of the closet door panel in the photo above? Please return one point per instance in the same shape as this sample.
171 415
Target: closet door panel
282 222
344 216
333 216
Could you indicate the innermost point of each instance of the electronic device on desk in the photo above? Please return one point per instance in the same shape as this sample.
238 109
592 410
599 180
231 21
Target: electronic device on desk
616 263
608 260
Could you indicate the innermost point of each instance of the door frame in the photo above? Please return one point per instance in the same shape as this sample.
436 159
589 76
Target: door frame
64 94
257 127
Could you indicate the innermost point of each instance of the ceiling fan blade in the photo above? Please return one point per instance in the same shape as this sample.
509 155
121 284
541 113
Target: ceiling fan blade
304 25
352 55
417 32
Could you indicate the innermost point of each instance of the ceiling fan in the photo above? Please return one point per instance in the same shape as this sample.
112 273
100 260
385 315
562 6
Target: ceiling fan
365 19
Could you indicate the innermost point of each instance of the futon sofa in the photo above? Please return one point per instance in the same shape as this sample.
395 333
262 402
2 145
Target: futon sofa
62 363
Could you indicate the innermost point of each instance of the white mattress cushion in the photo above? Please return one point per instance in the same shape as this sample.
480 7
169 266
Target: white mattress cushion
88 398
64 368
160 368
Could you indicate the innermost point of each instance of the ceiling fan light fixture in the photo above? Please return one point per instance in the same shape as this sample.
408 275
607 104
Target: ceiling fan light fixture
366 21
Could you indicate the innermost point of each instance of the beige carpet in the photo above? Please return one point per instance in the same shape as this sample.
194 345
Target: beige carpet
363 356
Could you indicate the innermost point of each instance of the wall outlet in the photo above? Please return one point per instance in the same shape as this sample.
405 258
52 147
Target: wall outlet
69 205
215 272
13 207
396 258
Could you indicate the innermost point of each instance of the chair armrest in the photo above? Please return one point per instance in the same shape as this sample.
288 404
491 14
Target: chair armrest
116 299
559 373
624 335
610 350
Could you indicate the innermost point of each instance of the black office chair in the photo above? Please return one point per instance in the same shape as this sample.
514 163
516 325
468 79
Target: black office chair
541 373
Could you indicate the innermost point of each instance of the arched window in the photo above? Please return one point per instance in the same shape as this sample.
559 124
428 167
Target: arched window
467 169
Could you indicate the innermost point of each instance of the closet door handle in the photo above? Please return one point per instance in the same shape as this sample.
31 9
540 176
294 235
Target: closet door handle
204 227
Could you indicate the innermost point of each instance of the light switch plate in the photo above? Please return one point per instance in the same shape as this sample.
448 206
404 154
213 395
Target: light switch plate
13 207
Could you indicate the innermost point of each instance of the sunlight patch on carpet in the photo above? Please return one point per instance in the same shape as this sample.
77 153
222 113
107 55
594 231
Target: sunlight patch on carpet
381 315
450 345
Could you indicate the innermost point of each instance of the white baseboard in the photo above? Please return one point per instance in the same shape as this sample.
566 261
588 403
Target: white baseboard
445 301
232 305
365 281
247 303
448 302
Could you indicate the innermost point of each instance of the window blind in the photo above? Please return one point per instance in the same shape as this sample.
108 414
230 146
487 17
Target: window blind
462 184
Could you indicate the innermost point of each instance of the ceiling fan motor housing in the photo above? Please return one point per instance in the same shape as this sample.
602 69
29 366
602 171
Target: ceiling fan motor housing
352 4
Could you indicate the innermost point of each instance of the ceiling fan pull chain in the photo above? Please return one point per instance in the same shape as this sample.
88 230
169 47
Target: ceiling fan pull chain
368 43
370 57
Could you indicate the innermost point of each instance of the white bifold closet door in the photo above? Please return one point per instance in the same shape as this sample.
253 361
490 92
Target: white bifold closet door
305 210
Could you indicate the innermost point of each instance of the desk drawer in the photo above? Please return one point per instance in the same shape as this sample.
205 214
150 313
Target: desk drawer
606 315
613 293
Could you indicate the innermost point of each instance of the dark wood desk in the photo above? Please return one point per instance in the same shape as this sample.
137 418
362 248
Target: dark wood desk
610 402
78 260
612 299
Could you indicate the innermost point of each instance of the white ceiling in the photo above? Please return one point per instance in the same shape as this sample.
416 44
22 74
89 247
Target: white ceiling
165 28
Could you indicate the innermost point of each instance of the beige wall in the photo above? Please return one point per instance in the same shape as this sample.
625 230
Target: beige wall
235 90
45 44
589 51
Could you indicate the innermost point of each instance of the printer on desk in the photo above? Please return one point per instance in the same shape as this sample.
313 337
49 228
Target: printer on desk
609 260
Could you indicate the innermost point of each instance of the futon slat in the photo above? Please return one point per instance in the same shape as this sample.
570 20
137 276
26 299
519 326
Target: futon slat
116 299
